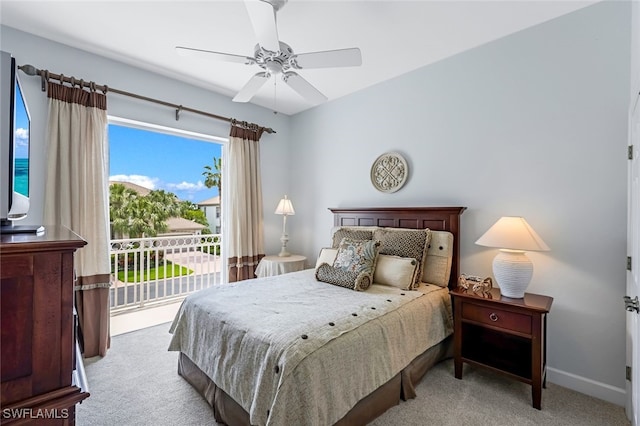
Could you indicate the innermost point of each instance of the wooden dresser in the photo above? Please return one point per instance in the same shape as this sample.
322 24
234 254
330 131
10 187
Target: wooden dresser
38 344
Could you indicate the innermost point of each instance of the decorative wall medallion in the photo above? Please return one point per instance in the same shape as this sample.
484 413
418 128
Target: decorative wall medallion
389 172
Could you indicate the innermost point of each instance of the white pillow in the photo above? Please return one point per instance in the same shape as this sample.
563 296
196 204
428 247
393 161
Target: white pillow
395 271
437 265
327 255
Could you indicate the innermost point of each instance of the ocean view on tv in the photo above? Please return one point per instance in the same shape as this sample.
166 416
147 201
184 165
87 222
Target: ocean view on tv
21 176
21 145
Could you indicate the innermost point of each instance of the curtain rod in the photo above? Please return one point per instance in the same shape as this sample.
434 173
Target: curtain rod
45 75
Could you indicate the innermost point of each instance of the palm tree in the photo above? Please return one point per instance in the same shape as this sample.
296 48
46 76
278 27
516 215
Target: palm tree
137 215
121 199
213 176
141 221
164 203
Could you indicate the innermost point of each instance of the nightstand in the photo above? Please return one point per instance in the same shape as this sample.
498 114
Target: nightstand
505 335
276 265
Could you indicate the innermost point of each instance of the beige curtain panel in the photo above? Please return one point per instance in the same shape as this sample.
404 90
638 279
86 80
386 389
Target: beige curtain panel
77 197
245 225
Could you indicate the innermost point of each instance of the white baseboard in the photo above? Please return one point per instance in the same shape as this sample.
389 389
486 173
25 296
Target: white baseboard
589 387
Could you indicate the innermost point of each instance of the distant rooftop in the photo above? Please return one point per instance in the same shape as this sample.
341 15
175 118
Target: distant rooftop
181 224
141 190
214 201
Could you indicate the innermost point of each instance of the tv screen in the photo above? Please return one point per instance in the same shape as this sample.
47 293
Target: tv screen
14 149
21 125
21 144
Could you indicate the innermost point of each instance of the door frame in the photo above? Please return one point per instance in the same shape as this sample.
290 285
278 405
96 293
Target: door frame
633 276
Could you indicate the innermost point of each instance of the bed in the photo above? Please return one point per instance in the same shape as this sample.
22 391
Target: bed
294 350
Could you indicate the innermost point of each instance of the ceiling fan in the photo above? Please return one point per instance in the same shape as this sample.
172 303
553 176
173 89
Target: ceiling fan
278 58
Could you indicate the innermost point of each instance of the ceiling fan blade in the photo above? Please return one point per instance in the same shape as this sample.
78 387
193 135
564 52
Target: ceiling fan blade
303 87
251 88
263 20
328 58
188 51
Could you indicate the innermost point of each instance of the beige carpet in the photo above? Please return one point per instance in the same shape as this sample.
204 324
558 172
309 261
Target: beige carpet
137 384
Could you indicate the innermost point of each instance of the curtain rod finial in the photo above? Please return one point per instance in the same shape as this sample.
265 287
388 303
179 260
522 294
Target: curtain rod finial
28 69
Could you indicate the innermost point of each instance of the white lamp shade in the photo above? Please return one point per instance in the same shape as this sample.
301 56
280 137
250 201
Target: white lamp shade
514 233
512 268
285 207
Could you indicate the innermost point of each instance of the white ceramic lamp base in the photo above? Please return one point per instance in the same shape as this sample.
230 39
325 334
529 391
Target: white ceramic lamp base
285 238
283 251
513 271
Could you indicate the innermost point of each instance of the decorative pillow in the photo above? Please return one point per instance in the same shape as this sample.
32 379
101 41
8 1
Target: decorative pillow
353 234
356 255
327 255
437 265
402 242
358 281
395 271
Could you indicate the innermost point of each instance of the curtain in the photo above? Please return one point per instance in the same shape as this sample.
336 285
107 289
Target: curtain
76 196
245 224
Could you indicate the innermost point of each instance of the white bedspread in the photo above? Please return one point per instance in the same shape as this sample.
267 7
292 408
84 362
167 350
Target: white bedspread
290 350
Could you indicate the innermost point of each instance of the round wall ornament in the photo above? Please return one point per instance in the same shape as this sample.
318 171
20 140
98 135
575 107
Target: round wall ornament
389 172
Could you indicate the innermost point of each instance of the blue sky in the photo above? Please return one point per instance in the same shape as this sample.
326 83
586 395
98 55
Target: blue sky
160 161
21 129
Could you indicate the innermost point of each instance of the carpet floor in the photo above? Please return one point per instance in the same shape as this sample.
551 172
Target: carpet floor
137 384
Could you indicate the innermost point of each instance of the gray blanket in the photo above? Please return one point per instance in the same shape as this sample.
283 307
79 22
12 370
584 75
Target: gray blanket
292 350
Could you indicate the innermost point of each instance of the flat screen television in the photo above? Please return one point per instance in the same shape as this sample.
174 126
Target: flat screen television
14 149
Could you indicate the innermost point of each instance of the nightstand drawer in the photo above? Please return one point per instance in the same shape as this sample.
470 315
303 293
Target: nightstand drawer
497 318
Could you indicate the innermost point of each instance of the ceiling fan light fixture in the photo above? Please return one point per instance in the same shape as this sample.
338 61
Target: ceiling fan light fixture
273 67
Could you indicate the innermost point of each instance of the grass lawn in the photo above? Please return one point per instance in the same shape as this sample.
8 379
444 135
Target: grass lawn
162 271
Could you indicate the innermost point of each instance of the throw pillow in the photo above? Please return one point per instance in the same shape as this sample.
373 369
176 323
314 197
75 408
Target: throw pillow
327 255
353 234
395 271
358 281
402 242
356 255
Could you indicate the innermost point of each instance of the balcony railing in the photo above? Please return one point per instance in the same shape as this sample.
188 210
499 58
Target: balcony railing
149 271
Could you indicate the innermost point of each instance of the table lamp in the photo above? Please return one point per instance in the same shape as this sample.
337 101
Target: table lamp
285 208
512 268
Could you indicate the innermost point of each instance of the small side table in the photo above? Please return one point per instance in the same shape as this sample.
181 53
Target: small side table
270 266
505 335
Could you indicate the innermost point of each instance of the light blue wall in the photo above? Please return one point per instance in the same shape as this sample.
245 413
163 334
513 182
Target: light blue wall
534 124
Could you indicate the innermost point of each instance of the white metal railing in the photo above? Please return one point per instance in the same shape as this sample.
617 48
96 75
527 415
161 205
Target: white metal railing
158 269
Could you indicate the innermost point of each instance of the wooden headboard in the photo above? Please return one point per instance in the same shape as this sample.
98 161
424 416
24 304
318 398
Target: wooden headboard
435 218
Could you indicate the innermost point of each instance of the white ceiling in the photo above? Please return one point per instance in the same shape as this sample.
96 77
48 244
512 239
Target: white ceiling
395 37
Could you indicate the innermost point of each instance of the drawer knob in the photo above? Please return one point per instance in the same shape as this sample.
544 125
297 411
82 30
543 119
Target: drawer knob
493 317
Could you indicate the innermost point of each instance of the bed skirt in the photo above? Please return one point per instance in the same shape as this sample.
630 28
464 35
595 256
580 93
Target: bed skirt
402 386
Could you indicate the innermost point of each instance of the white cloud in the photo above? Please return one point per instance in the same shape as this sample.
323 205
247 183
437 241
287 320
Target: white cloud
21 137
187 186
145 181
